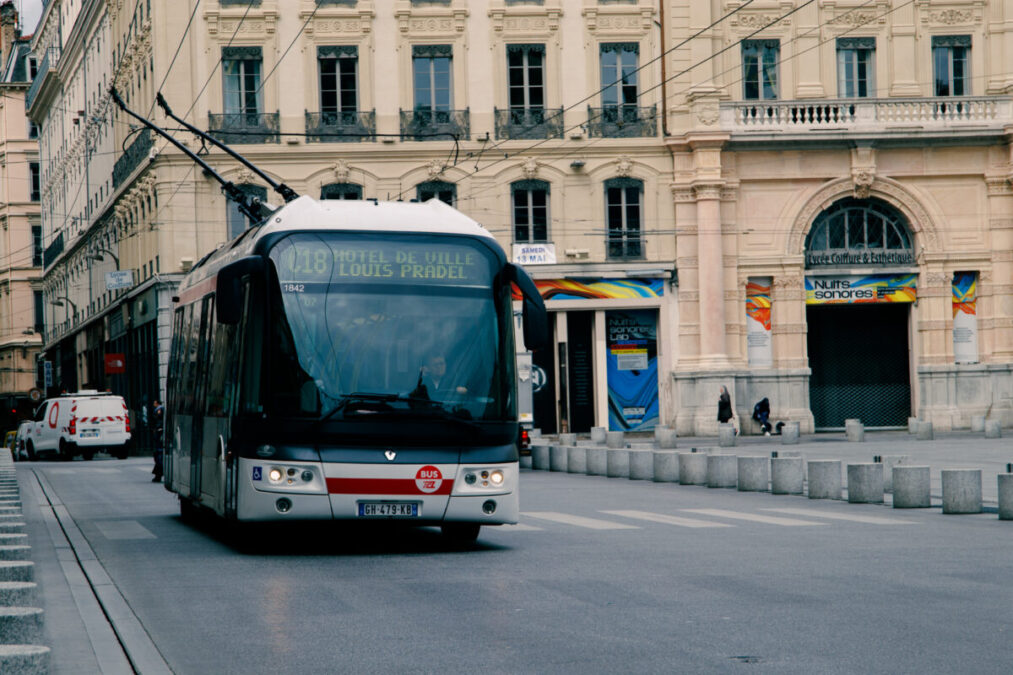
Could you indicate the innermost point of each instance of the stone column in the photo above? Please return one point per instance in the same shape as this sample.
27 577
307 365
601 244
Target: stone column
713 344
807 46
904 61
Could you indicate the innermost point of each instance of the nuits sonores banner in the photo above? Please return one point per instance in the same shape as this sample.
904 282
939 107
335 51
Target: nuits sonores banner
759 348
965 317
826 290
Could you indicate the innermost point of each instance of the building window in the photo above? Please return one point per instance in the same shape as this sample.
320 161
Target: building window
432 78
241 68
36 246
237 221
437 189
619 73
526 77
859 232
339 79
855 67
623 214
341 191
33 130
951 64
36 189
531 211
759 69
40 316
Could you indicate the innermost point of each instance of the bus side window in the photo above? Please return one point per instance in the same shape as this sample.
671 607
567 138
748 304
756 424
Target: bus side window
204 337
251 366
186 365
223 356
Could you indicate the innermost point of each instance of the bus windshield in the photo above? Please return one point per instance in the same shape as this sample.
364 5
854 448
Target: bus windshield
368 326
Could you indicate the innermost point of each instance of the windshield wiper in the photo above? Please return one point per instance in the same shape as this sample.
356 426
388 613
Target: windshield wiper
429 406
357 396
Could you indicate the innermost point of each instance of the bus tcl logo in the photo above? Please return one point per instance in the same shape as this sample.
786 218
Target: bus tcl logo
428 479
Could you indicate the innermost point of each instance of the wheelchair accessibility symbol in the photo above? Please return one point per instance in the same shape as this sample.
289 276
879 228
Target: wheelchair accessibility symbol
537 379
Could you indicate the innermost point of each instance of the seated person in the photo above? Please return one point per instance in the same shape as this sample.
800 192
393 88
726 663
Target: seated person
433 380
761 413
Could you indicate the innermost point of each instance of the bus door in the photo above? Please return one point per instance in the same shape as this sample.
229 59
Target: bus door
200 389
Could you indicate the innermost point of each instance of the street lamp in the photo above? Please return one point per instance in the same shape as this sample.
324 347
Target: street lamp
58 302
100 257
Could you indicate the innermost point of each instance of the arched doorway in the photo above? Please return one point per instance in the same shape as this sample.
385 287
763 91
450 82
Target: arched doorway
860 283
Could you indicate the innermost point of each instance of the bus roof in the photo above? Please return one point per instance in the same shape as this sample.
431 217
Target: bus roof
306 213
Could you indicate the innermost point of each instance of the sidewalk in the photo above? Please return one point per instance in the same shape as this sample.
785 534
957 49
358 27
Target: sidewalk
950 450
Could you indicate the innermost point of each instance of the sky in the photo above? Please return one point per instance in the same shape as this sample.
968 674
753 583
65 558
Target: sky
29 11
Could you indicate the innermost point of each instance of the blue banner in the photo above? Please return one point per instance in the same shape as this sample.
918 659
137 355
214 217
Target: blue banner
632 369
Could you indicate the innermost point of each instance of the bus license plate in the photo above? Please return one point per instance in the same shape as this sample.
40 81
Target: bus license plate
389 509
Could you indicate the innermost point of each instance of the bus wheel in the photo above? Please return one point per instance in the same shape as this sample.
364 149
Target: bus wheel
463 533
187 510
30 449
66 450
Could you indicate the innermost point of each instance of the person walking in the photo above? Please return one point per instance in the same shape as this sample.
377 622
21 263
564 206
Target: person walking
159 423
725 413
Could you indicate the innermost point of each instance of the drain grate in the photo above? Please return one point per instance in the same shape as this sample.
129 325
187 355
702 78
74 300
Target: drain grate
745 659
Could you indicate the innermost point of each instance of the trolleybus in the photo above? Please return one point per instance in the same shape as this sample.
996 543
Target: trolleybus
350 360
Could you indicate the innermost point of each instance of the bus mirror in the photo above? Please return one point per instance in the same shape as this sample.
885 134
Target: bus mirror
536 320
229 290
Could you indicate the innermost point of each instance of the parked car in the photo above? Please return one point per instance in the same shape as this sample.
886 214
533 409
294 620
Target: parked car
84 422
23 432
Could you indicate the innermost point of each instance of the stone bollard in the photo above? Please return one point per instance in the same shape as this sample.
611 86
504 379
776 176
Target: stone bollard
855 430
21 625
888 462
576 459
961 490
912 425
790 433
598 435
557 457
993 429
525 462
534 433
666 466
977 423
1006 496
692 468
665 438
726 435
925 431
18 593
568 439
617 463
865 483
24 659
754 474
722 471
641 465
15 552
597 461
911 487
615 439
541 457
824 478
787 475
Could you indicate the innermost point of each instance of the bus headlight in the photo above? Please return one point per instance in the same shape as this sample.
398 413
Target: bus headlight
496 478
484 480
275 474
303 478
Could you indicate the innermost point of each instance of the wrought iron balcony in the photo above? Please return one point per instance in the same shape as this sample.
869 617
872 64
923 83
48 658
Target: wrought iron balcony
529 123
245 127
434 125
622 121
624 245
340 127
53 251
130 159
49 62
868 115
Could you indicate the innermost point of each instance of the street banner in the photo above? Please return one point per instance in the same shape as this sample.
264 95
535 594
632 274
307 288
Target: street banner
838 290
596 289
632 369
759 346
535 254
965 317
119 279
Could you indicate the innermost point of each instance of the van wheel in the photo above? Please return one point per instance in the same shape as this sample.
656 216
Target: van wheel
66 450
120 453
461 533
30 449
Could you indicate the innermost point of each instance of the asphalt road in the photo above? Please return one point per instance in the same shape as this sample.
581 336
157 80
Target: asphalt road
602 575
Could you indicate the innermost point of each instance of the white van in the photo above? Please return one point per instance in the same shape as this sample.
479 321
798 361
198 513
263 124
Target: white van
83 422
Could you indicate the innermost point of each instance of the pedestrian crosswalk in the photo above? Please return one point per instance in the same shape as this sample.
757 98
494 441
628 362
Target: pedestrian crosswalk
619 519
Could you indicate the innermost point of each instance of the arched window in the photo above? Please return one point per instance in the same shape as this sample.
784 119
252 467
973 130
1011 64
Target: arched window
623 217
341 191
530 211
859 231
437 189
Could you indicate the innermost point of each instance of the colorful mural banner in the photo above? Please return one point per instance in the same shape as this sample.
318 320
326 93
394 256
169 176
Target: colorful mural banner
631 362
597 289
833 290
965 319
759 346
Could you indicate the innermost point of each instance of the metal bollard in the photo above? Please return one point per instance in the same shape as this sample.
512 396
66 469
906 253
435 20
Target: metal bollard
911 487
961 490
865 483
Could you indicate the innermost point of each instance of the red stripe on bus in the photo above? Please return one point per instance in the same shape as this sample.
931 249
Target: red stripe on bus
382 486
198 291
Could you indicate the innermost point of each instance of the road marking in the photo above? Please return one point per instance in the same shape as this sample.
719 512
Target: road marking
123 529
666 519
521 527
579 521
105 470
754 517
872 520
